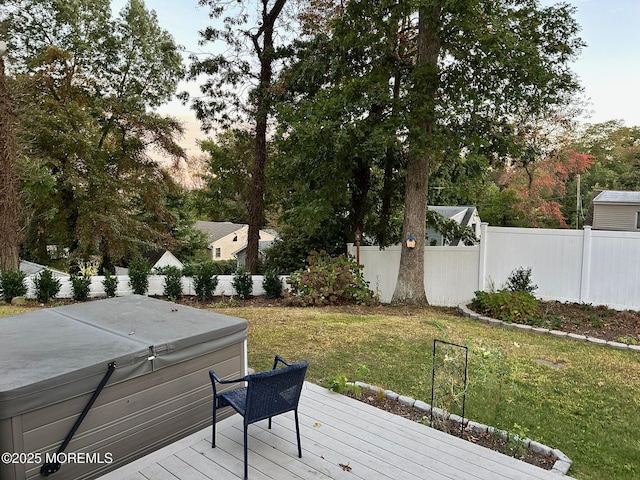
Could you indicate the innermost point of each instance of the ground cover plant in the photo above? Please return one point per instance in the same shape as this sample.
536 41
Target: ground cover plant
576 397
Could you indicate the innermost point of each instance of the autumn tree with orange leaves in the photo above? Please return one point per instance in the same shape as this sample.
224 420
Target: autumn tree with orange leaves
540 186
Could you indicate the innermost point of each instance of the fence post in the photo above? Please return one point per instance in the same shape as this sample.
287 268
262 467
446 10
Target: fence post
585 278
482 257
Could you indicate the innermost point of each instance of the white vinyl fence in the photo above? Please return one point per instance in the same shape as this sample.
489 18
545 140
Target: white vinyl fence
590 266
156 286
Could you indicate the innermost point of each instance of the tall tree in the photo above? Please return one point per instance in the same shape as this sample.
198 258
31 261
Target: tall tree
250 60
9 200
481 67
340 121
89 83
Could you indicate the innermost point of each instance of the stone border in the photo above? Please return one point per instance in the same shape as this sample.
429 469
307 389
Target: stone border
562 462
467 312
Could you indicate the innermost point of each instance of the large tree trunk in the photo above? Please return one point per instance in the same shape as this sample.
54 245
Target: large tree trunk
9 200
410 285
265 53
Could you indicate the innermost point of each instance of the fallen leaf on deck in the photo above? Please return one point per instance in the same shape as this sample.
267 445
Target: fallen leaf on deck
346 468
317 425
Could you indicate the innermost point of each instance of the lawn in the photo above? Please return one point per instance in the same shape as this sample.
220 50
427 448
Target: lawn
588 409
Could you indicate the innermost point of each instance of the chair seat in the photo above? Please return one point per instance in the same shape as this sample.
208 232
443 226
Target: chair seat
237 398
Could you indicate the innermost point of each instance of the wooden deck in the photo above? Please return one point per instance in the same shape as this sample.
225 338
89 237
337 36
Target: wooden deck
342 438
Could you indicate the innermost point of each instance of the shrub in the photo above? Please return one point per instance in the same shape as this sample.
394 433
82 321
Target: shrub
46 285
520 281
242 283
12 284
139 271
327 281
172 282
110 284
519 306
205 280
272 284
80 285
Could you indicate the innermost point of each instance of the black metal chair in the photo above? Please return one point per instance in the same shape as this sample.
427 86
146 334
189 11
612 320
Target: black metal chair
265 395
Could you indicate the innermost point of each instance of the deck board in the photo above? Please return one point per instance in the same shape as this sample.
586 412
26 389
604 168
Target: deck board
342 438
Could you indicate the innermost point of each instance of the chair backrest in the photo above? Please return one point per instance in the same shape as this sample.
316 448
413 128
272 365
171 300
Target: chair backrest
274 392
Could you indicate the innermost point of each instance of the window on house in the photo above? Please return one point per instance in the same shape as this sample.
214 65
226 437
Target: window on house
638 220
218 254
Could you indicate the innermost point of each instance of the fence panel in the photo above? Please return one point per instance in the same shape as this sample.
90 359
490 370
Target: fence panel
554 256
614 278
591 266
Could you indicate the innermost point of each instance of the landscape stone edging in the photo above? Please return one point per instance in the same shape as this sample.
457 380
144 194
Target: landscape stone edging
467 312
562 462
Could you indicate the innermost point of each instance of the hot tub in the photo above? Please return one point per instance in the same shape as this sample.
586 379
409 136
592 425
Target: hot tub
53 360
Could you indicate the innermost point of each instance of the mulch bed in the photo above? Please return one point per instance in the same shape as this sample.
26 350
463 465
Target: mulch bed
494 442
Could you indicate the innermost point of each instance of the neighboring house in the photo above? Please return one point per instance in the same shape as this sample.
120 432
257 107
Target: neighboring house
615 210
157 259
466 216
30 269
162 258
241 254
228 241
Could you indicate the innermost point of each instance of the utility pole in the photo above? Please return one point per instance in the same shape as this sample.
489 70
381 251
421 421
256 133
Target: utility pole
9 200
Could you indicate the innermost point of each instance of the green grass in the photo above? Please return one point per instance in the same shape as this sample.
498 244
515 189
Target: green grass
586 409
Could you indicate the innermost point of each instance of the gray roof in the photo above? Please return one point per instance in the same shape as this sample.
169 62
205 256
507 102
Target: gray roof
30 268
262 246
614 196
449 212
218 230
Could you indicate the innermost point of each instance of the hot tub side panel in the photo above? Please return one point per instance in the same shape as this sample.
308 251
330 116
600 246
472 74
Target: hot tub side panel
129 419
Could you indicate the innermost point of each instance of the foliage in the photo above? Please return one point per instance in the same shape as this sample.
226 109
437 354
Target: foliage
509 306
218 267
80 286
340 383
615 152
110 284
139 271
329 281
272 284
225 267
172 282
228 178
290 250
12 284
520 281
242 283
46 285
387 90
86 88
538 186
205 280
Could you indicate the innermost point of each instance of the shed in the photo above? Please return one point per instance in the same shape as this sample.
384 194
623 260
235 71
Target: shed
616 210
53 360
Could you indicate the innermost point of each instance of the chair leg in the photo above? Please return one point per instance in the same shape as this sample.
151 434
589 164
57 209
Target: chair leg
213 424
246 467
295 412
269 423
